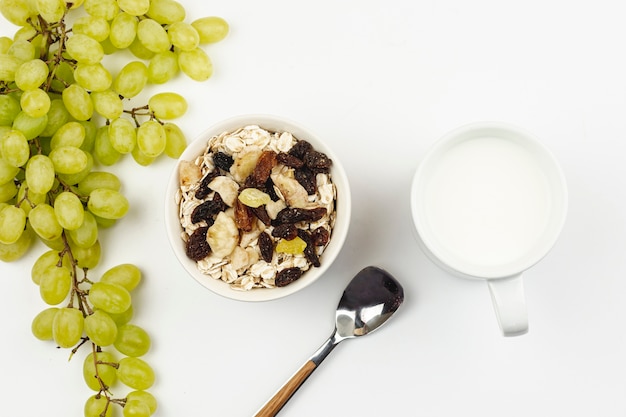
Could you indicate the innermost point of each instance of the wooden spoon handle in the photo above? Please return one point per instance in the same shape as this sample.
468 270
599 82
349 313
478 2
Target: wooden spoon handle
273 406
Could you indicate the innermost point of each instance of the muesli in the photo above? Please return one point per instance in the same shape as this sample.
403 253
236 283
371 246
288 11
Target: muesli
257 208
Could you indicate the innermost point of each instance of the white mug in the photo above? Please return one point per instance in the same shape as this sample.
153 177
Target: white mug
488 201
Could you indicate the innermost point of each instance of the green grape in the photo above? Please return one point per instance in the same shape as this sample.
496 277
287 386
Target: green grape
90 135
135 373
44 222
103 150
196 64
8 67
123 30
211 28
134 7
67 327
17 11
93 77
9 109
87 234
69 210
84 49
31 74
56 244
22 49
77 102
136 408
153 36
151 138
95 27
166 12
167 105
51 10
111 298
141 158
107 104
55 284
68 159
144 397
175 140
65 73
183 36
14 148
45 260
26 33
108 48
122 318
101 328
39 174
122 135
7 172
28 198
98 406
5 43
162 67
100 364
41 327
17 249
86 257
70 134
140 51
7 191
106 9
31 127
131 79
73 179
35 103
126 275
57 117
99 179
108 204
132 340
12 223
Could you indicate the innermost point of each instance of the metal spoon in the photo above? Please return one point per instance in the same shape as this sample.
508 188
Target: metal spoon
367 302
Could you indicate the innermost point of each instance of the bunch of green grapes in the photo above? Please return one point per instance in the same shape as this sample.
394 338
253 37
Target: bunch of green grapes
63 118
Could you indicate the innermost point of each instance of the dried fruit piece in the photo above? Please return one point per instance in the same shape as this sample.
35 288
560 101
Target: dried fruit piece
203 190
253 197
294 246
309 250
262 170
296 215
245 162
289 160
226 187
188 173
307 178
266 247
293 193
285 231
223 236
197 246
207 210
262 214
244 218
317 161
223 160
287 276
300 149
320 236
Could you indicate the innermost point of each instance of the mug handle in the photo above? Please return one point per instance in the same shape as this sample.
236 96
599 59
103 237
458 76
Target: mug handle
509 302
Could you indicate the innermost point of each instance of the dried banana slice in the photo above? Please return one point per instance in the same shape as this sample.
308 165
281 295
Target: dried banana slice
223 235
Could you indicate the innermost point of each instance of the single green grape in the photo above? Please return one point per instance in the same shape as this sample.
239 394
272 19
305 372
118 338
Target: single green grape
57 117
102 365
70 134
106 203
134 7
141 158
123 30
126 275
69 210
122 318
93 77
55 284
84 49
68 159
103 150
31 74
7 172
9 109
101 328
14 148
107 104
30 126
39 174
167 105
145 397
35 103
211 29
22 49
131 79
95 27
98 406
135 373
8 190
41 325
153 36
196 64
87 257
90 135
175 140
44 222
106 9
136 408
166 12
73 179
78 102
132 340
162 67
87 234
45 260
67 326
17 249
111 298
122 135
17 11
151 138
99 179
183 36
12 223
8 67
51 10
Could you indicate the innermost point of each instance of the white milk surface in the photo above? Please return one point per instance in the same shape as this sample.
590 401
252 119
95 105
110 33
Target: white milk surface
488 201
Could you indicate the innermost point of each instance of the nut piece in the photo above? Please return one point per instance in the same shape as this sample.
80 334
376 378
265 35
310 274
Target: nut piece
223 236
188 173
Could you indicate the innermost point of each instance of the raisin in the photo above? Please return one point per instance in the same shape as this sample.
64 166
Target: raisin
261 214
289 160
300 148
269 189
307 179
287 276
223 160
244 218
197 247
203 190
310 252
208 209
286 231
266 247
295 215
262 170
320 236
317 161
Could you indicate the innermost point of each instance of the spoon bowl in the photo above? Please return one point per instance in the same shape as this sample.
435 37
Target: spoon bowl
368 301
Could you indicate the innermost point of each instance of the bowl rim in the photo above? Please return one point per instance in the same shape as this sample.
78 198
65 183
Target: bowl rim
343 206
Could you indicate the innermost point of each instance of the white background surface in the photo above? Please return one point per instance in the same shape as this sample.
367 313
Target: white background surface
381 81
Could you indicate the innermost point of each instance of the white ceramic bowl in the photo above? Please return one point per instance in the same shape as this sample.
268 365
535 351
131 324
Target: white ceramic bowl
339 232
